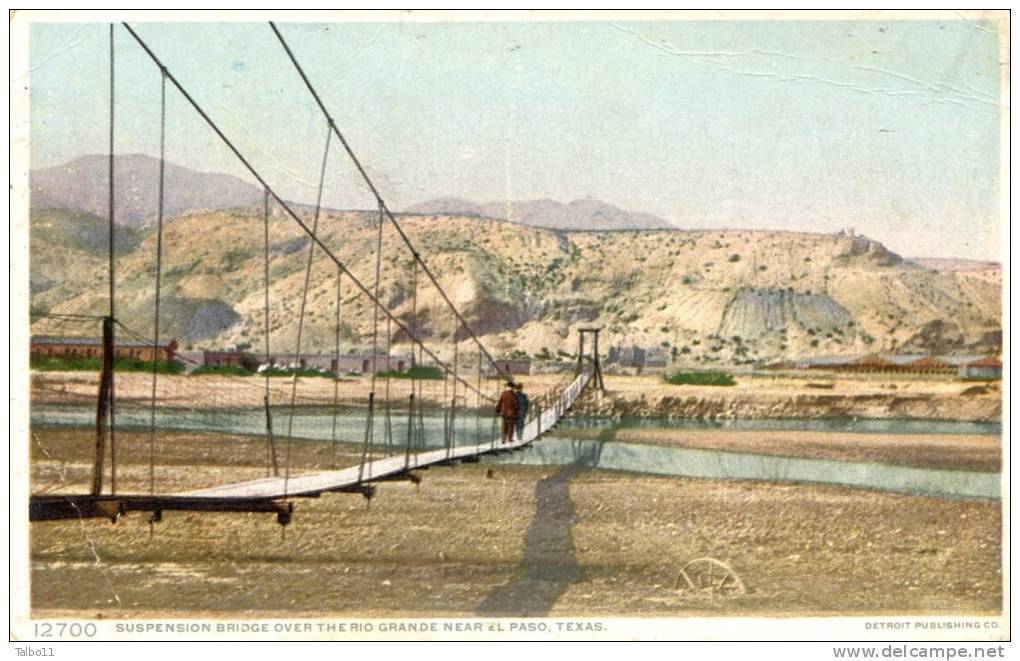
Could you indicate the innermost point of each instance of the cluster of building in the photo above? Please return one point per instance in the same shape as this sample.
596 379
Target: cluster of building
354 363
979 367
653 358
46 346
351 363
515 366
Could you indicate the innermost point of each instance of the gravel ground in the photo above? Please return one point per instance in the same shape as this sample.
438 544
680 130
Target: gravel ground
879 396
477 539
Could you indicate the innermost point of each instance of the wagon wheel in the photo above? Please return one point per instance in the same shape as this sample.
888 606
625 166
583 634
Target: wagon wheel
710 575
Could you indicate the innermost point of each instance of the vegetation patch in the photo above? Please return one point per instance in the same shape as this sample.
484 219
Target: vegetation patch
299 371
699 379
227 370
423 372
61 364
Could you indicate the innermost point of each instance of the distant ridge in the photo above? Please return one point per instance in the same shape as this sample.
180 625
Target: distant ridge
954 264
81 186
579 215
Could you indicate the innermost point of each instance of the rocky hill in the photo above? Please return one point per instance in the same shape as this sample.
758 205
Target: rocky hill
703 297
580 215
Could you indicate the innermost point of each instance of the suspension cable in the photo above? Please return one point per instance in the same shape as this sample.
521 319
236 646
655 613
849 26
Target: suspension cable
336 368
301 315
453 398
382 203
388 427
159 270
283 203
271 463
414 309
369 433
444 406
478 404
375 311
416 365
370 421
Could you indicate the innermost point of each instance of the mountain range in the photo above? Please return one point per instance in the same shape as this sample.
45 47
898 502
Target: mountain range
580 215
82 185
705 297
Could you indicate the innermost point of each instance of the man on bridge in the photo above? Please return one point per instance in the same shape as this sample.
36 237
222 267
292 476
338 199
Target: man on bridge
523 404
506 408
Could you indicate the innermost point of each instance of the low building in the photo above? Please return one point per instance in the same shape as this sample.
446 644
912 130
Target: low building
239 359
191 359
85 347
905 364
866 364
824 362
654 358
515 366
985 368
361 363
872 362
352 363
780 366
932 365
397 363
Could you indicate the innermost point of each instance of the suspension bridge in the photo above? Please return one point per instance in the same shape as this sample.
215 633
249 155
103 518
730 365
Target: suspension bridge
394 459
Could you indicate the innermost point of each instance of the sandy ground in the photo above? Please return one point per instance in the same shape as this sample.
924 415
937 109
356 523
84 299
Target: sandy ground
766 396
626 396
502 540
231 392
946 451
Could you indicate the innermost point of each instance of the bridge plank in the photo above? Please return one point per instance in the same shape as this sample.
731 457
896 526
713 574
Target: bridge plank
316 483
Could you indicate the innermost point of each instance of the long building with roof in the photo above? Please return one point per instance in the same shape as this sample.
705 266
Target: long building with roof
48 346
970 366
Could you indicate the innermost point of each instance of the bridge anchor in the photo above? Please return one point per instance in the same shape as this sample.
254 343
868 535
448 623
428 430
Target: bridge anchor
283 516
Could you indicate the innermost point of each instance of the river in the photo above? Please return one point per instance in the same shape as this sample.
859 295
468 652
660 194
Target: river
557 450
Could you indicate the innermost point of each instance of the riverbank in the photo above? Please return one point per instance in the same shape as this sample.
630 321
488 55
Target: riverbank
580 542
881 397
762 397
970 452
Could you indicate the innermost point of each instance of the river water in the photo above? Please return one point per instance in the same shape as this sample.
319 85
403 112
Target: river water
558 450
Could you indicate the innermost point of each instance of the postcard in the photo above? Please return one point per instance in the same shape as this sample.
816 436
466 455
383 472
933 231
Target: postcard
510 325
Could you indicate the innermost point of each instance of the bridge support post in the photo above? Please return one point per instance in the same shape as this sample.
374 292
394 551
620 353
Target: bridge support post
580 353
596 364
102 406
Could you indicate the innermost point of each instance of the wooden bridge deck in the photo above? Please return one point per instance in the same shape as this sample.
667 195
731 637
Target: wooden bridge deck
270 494
313 484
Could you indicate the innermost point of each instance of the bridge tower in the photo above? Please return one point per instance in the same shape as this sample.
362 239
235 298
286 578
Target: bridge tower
597 366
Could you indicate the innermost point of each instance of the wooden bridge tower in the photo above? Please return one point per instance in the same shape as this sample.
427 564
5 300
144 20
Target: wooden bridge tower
597 366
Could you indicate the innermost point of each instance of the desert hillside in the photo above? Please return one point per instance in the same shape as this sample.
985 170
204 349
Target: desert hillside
704 297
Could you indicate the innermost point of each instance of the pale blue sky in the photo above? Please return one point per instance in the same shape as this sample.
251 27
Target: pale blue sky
888 126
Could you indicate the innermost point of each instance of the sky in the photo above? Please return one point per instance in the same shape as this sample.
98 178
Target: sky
888 126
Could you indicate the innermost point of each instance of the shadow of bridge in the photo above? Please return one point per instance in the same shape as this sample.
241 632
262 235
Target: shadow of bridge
548 566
